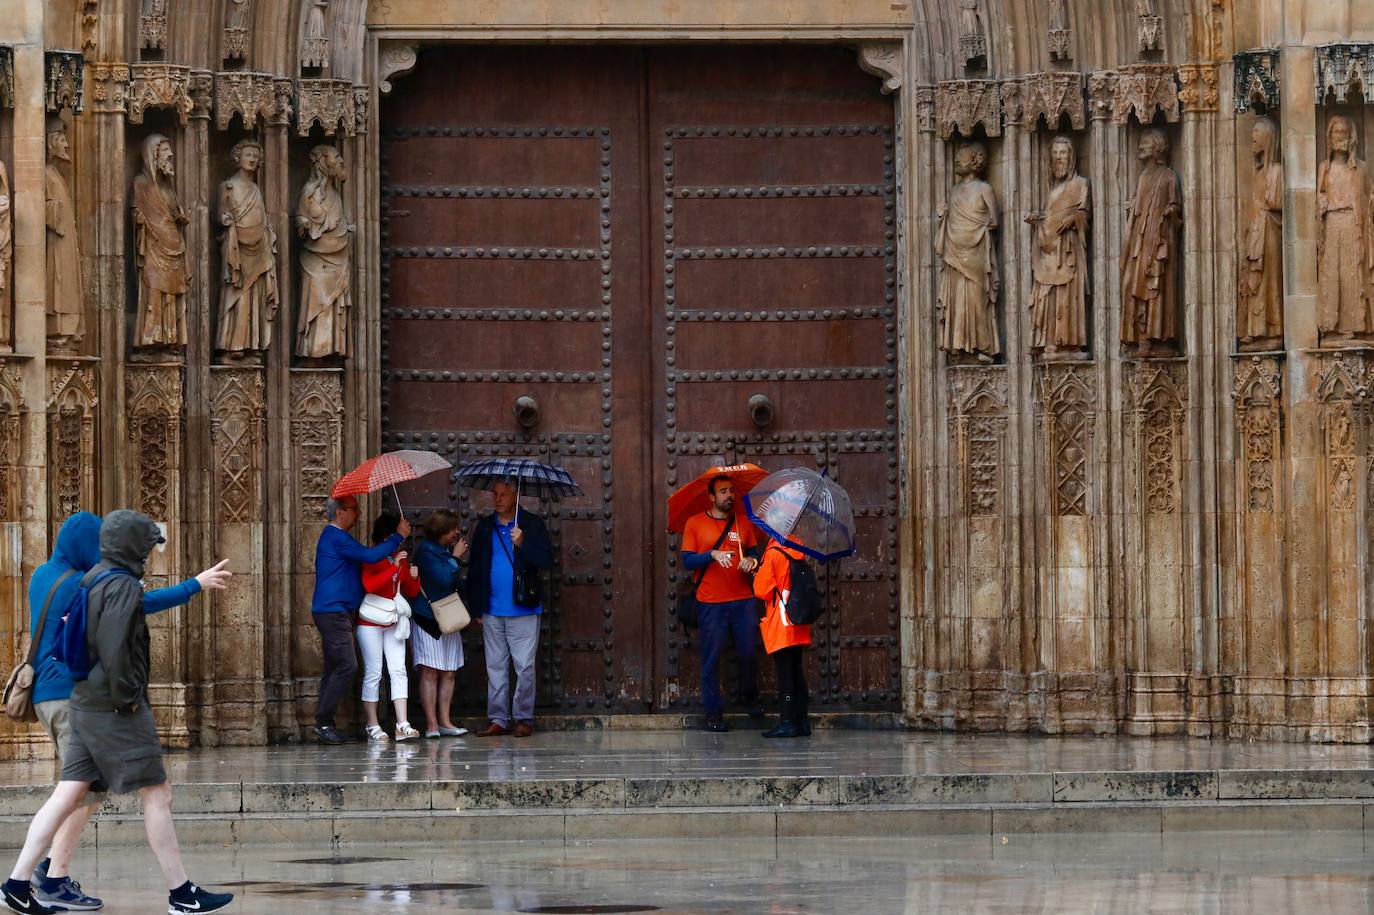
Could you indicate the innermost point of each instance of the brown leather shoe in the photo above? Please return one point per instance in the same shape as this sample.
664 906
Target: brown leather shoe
493 730
523 729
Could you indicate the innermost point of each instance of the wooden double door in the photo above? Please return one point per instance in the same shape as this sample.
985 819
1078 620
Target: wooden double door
637 262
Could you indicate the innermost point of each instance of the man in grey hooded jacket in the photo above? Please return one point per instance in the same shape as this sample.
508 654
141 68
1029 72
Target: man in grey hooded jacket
114 743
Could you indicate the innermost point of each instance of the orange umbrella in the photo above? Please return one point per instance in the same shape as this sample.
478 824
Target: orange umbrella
693 499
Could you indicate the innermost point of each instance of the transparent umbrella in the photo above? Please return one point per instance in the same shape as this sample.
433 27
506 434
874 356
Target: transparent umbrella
805 510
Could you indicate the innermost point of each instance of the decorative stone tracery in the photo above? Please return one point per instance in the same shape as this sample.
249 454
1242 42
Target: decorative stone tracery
317 412
237 411
327 102
963 104
1051 97
153 405
1259 426
159 85
1345 68
71 438
249 95
1144 90
1257 79
64 80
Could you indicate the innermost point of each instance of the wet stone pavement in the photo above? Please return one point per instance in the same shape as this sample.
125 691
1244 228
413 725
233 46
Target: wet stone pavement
612 754
1252 873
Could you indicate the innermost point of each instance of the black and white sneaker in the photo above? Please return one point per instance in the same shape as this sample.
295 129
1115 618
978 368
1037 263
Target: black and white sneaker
192 898
19 898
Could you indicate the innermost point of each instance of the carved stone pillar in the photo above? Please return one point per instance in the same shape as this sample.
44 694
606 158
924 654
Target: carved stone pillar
1159 565
277 514
317 436
1253 649
1306 468
105 241
921 686
238 693
1208 300
71 416
1336 701
154 443
1017 657
24 524
1110 442
196 184
976 631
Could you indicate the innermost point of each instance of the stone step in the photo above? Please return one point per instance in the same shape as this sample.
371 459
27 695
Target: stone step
569 810
324 829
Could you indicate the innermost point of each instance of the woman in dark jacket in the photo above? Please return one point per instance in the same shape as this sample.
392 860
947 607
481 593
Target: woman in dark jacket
438 658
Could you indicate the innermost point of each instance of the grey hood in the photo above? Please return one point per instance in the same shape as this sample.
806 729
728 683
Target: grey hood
126 539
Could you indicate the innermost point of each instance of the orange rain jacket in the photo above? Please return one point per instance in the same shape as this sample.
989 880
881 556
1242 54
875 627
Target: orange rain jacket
772 583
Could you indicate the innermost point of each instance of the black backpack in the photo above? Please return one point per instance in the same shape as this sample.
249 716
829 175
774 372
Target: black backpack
805 604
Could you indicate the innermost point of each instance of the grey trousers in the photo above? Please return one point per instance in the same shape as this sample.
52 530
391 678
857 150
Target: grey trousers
509 639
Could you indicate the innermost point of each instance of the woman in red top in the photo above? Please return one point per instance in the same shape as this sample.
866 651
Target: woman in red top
387 643
783 640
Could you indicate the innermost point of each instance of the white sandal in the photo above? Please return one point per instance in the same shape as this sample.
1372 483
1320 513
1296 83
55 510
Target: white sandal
375 732
405 732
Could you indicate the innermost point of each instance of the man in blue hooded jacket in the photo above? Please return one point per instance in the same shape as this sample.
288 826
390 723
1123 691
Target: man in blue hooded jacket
77 551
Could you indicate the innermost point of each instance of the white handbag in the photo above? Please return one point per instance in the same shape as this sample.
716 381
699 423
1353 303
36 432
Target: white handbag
384 611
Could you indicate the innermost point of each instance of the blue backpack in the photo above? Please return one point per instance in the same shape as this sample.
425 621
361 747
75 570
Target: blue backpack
70 647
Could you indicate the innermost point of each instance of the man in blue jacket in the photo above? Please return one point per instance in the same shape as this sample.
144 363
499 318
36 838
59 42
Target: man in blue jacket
339 561
55 584
510 548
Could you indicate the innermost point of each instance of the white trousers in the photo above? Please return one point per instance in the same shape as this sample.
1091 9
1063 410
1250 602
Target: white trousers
378 643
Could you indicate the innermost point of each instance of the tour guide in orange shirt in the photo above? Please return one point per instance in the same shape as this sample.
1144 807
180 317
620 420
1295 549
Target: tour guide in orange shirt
725 598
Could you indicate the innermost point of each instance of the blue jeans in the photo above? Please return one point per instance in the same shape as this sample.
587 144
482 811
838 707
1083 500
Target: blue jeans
739 621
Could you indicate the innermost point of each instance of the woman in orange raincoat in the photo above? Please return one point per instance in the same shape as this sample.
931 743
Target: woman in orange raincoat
783 640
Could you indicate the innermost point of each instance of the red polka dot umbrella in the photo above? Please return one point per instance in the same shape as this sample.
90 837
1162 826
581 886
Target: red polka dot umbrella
388 469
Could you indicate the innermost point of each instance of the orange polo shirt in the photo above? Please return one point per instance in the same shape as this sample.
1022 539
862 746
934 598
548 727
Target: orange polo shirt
720 585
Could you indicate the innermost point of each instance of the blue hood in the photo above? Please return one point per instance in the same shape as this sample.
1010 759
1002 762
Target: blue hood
78 543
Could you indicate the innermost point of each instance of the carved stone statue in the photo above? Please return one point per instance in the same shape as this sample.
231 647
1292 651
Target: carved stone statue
248 303
238 14
1259 299
1149 284
159 249
1345 240
968 270
6 257
66 312
314 22
973 43
325 269
1059 261
1059 15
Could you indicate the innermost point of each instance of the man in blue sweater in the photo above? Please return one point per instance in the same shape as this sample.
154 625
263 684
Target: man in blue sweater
54 584
339 561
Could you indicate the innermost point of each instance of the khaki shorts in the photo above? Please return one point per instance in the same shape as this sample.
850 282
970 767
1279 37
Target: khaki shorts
54 717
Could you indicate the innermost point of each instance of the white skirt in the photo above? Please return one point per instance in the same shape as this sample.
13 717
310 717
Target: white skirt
443 653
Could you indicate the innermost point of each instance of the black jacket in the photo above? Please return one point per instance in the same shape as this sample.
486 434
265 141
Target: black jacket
534 554
116 628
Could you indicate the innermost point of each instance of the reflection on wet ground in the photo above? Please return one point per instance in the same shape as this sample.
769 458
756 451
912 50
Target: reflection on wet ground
1326 872
696 754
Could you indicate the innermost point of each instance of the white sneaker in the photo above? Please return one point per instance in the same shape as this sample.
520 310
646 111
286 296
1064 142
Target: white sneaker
453 732
405 732
375 732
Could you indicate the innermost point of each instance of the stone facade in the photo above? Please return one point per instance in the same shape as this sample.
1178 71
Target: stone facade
1150 540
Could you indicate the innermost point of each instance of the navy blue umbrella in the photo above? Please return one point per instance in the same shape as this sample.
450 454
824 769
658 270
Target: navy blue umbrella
528 476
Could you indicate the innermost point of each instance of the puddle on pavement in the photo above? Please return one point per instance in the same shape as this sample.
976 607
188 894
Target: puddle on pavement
588 909
341 860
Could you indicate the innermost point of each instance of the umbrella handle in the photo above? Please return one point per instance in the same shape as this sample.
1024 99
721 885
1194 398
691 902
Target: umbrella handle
397 496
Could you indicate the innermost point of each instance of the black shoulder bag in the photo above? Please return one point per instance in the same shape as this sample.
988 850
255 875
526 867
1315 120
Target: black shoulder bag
688 614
